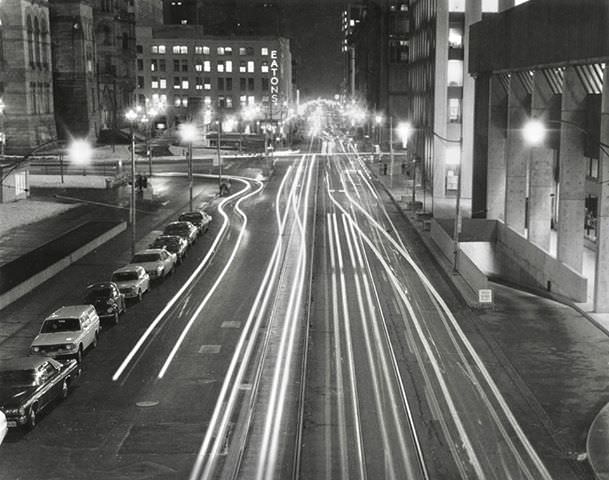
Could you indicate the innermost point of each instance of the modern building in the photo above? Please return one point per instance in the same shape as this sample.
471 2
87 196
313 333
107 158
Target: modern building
375 46
77 108
545 61
26 78
193 74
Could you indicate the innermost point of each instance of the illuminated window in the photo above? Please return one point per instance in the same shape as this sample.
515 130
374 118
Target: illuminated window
242 66
264 67
184 101
206 50
243 99
207 100
264 51
228 50
456 5
163 83
518 2
455 73
454 110
455 37
175 49
251 100
229 101
228 66
207 66
154 49
199 67
220 50
207 83
185 83
251 67
154 83
176 101
183 49
198 83
162 49
176 83
490 6
153 65
242 51
198 50
220 66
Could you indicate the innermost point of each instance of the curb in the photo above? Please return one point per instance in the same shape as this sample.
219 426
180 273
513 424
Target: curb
25 287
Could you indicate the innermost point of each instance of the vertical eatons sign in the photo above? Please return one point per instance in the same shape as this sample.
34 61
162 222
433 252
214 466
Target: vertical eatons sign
274 78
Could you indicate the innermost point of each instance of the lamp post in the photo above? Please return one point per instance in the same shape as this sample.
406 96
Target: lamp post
188 134
404 130
218 140
131 116
2 132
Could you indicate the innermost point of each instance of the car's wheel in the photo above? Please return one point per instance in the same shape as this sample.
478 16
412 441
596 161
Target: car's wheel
65 389
95 339
32 417
116 314
139 295
78 355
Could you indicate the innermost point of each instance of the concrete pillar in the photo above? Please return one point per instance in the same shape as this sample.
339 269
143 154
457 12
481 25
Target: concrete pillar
601 285
496 152
572 173
517 156
541 168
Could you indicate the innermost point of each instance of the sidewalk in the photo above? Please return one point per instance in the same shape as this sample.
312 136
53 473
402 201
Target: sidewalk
548 357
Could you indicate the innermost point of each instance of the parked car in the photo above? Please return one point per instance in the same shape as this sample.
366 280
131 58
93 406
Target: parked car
29 384
132 281
174 244
185 230
157 262
107 299
68 331
3 426
198 218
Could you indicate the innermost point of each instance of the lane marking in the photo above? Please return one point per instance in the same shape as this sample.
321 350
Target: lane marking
231 324
210 349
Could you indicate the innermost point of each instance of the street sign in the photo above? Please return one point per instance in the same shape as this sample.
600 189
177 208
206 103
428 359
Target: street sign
485 295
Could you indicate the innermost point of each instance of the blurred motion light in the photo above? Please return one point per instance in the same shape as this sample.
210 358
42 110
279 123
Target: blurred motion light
534 132
188 132
80 152
404 130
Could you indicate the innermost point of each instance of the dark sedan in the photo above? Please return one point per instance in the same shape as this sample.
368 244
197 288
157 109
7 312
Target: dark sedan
186 230
172 243
198 218
107 299
29 384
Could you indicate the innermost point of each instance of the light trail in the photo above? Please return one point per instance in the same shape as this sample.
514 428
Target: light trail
215 285
243 351
138 345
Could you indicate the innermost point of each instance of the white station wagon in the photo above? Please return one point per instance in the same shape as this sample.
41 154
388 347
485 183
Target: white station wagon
68 331
132 280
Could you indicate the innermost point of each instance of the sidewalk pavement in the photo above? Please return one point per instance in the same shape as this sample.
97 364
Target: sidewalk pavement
551 350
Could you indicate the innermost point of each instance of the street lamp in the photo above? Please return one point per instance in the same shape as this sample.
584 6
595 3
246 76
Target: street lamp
188 134
2 132
378 120
405 130
131 116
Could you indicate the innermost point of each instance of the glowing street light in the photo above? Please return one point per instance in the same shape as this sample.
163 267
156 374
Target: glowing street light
80 152
404 130
534 132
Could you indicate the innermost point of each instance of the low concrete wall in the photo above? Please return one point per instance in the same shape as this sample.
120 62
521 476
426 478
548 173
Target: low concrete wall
474 277
525 263
41 277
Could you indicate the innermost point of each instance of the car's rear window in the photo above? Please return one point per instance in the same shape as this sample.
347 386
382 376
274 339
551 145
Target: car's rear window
18 378
124 276
176 229
95 293
189 217
145 257
60 325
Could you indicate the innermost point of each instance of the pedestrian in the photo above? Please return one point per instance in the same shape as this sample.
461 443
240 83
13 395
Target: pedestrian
384 169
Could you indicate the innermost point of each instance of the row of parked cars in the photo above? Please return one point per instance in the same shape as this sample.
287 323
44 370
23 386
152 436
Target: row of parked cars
29 384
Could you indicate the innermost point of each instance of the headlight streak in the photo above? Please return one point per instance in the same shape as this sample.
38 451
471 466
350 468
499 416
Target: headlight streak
192 277
455 415
453 322
342 431
216 284
217 426
501 401
275 408
350 356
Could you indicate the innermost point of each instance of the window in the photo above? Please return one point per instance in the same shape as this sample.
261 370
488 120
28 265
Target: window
162 49
228 66
183 49
176 83
162 65
221 101
454 110
264 51
455 37
180 49
184 64
140 64
207 83
250 67
265 84
242 83
242 51
398 50
163 83
456 5
207 100
250 84
140 82
228 50
140 49
242 66
229 84
220 66
205 50
264 67
490 6
243 99
455 73
153 66
198 83
229 101
185 83
153 49
199 67
220 83
251 100
220 50
199 50
175 49
207 66
177 101
154 83
176 65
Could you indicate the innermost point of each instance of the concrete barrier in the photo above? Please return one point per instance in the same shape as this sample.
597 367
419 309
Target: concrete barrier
25 287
